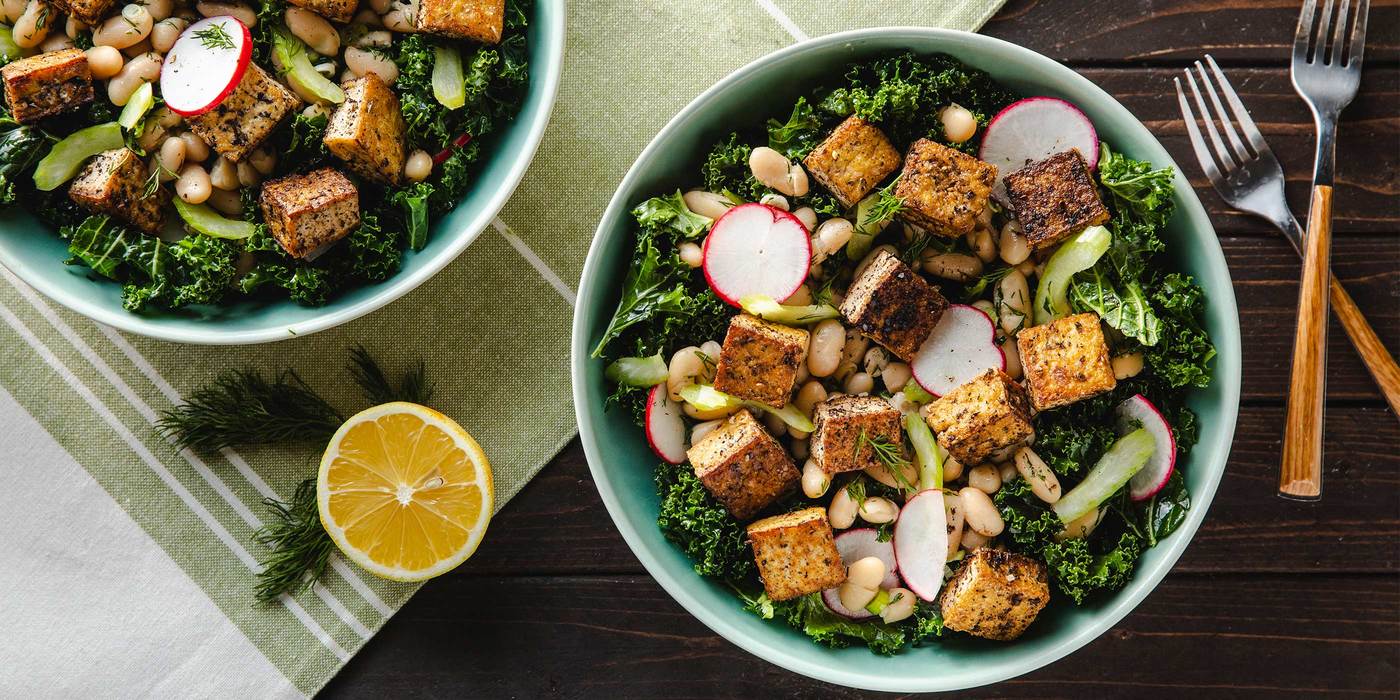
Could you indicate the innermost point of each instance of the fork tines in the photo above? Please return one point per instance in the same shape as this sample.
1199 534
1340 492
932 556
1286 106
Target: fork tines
1322 37
1224 161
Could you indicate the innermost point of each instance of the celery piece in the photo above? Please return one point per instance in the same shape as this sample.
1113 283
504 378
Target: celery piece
203 219
290 55
68 155
766 308
1076 255
638 371
449 84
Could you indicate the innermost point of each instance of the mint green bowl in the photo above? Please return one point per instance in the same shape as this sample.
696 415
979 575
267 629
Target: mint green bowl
622 464
34 253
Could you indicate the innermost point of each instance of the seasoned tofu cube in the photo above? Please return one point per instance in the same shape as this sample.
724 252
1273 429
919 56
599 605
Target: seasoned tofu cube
308 211
238 124
91 12
48 84
367 130
852 160
944 190
849 429
995 594
114 183
796 554
759 360
478 20
742 466
333 10
1065 361
987 414
1055 198
892 305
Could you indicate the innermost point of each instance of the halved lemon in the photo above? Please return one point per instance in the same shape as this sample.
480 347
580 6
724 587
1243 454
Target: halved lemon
404 491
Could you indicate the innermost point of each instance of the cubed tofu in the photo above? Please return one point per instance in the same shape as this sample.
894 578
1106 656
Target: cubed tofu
307 211
759 360
1054 198
847 430
91 12
852 160
983 416
796 554
892 305
48 84
247 116
367 130
995 594
478 20
333 10
114 183
742 466
1065 361
944 190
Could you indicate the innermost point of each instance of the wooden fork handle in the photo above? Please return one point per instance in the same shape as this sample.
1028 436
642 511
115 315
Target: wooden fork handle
1301 474
1368 345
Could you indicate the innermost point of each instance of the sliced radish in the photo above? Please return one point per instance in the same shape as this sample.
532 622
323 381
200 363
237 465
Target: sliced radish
962 346
855 545
666 431
756 249
204 66
1153 477
1033 129
921 543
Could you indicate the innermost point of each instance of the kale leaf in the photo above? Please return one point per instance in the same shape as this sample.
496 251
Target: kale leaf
796 137
1078 571
1183 357
702 527
194 270
671 212
810 615
726 170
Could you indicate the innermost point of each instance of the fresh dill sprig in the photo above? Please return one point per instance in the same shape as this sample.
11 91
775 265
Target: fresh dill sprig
301 549
153 181
413 388
215 37
242 407
890 455
885 208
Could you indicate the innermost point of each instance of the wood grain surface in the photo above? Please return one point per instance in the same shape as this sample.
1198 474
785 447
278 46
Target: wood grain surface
1273 598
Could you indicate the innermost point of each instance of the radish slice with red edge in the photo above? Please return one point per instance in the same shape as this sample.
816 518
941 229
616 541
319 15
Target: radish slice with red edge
205 64
962 346
1154 475
666 431
756 249
921 543
855 545
1033 129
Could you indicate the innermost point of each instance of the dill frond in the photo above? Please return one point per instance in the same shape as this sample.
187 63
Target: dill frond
301 549
241 407
413 387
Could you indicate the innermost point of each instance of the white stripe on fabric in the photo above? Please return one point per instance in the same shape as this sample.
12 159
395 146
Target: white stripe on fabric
536 262
170 481
783 20
92 591
239 463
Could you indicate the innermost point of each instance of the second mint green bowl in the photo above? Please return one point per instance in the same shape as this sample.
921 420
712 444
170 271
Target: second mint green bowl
622 463
34 253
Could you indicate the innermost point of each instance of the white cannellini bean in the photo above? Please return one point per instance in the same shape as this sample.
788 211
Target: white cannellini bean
375 39
842 511
881 473
859 383
138 48
237 10
985 478
165 32
953 512
983 244
973 540
811 394
979 513
1008 472
56 42
855 597
875 360
954 266
808 217
1015 249
774 423
831 236
248 176
1044 484
686 364
362 62
691 254
707 204
1014 301
160 9
958 124
166 118
700 430
72 26
418 166
13 9
380 6
775 171
142 69
224 174
895 376
878 511
986 307
313 30
815 481
172 155
1012 353
226 202
1127 366
326 68
900 607
866 572
264 160
801 297
32 27
774 200
151 137
368 17
196 150
193 185
952 468
824 349
401 18
710 414
124 30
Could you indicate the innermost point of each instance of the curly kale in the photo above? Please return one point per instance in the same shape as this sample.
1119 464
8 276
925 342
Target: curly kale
726 170
1183 357
703 529
796 137
1078 571
156 274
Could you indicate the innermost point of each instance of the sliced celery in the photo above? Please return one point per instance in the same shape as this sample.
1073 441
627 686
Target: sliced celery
449 84
1123 459
203 219
68 155
1074 256
638 371
766 308
141 102
290 54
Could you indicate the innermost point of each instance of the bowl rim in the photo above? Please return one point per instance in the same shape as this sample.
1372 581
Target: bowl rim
1228 374
388 291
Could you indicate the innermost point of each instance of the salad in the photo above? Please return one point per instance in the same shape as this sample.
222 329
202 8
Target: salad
912 358
202 153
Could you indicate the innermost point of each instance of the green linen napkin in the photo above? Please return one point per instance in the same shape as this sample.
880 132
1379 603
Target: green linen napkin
133 574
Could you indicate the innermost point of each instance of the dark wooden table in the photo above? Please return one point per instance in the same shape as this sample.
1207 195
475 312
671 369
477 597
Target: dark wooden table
1272 599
